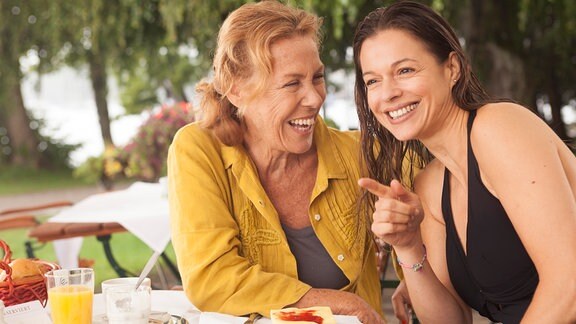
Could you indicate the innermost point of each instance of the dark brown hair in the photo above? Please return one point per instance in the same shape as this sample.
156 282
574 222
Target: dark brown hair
385 157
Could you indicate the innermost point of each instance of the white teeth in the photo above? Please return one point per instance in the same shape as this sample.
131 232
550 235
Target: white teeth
302 122
402 111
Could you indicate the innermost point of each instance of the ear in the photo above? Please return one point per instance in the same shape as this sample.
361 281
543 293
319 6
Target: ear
235 95
454 67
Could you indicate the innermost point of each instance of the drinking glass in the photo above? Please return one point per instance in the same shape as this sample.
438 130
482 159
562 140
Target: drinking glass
70 293
127 304
125 281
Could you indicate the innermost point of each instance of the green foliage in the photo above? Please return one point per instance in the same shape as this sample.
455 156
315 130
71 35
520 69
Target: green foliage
55 153
91 170
144 157
156 48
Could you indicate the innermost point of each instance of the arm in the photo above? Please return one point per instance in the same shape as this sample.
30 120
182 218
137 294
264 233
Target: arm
206 239
397 218
535 183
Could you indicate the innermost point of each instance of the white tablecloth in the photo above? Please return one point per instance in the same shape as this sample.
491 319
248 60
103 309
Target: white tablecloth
176 303
142 209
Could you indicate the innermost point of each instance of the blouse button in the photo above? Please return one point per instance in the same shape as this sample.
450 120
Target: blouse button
317 217
261 202
340 257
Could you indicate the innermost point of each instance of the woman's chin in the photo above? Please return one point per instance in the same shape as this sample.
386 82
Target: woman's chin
402 136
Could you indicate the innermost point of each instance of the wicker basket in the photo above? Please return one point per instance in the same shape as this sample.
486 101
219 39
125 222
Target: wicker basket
23 290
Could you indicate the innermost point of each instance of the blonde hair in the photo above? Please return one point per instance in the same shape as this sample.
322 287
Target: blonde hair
243 53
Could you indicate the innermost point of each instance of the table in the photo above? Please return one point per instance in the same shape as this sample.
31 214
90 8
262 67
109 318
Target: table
176 303
141 209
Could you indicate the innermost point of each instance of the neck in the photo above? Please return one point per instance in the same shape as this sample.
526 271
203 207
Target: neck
449 145
273 163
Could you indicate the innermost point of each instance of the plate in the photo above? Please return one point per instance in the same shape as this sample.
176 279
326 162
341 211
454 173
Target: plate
156 317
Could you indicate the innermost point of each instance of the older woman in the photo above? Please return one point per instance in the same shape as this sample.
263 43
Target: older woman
497 204
262 194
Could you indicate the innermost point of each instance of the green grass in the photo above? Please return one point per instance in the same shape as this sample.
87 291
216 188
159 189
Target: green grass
15 180
128 250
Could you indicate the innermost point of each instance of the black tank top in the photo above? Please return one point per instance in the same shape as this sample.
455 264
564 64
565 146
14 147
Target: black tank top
496 276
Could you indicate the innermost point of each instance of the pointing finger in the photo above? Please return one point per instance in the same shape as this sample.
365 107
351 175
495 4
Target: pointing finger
376 188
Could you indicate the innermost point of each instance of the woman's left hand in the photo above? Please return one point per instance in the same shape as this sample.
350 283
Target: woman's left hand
398 212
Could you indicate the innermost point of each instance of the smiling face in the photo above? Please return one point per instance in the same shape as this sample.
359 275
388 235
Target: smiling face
408 90
282 118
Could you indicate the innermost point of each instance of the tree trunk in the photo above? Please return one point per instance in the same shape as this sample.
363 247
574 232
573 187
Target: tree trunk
98 76
23 140
499 69
555 101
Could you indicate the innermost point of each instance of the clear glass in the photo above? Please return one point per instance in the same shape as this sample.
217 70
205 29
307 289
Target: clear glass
124 304
127 281
70 294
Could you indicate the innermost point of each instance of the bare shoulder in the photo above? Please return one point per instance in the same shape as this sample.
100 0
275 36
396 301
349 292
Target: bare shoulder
505 118
507 127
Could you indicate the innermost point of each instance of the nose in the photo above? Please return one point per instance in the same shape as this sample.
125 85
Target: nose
389 90
314 95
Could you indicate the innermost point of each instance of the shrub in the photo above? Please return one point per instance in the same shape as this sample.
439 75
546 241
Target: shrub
144 157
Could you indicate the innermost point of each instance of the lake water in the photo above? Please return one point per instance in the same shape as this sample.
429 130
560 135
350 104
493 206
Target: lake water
64 100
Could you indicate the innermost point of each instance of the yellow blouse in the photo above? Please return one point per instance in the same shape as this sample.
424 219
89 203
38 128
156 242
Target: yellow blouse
231 250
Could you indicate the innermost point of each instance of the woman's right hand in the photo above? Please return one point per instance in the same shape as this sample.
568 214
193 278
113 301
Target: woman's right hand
398 212
341 303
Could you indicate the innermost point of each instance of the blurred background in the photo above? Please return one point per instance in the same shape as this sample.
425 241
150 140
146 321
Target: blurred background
93 90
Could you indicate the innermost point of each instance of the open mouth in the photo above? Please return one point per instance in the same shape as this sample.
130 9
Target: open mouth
302 124
395 114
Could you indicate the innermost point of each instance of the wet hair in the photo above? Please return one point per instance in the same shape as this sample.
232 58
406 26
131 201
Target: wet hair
385 157
243 54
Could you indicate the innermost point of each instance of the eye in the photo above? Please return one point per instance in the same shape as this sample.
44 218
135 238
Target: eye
370 82
291 84
405 70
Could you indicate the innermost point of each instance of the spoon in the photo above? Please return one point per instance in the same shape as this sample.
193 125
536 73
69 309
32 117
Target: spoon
147 268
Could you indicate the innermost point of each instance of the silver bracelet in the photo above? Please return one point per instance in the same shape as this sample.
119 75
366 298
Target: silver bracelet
416 266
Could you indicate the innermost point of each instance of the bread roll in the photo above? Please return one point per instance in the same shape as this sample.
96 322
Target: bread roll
22 268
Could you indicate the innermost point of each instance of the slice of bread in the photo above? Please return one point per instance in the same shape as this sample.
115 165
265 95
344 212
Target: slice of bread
317 315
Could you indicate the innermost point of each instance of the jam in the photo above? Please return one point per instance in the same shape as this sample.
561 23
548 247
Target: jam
302 315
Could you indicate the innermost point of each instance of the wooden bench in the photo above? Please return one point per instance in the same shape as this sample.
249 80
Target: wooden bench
51 231
56 231
25 217
48 232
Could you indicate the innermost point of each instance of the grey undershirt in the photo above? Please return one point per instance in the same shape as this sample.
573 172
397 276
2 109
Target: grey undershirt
315 266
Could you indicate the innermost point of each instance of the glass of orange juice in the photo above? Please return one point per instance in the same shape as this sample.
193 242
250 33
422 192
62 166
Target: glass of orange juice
70 293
